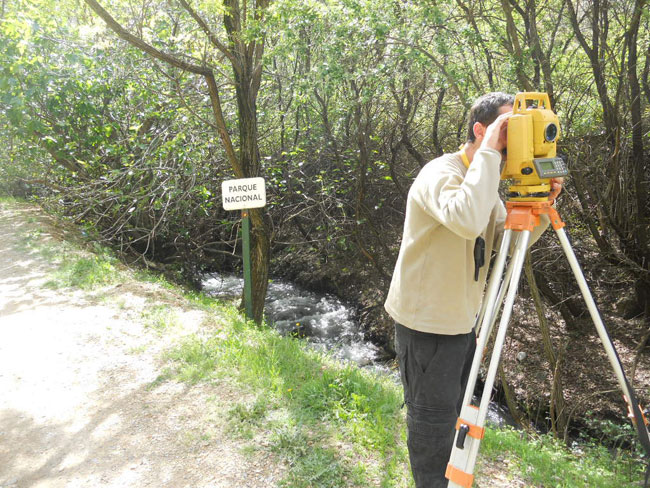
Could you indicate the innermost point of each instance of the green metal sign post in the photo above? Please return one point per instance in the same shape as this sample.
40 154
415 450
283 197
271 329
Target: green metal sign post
244 194
246 251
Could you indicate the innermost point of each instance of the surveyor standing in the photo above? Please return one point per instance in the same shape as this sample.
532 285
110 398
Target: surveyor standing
454 217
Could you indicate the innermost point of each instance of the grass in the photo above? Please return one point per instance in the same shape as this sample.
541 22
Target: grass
159 317
343 412
544 461
85 272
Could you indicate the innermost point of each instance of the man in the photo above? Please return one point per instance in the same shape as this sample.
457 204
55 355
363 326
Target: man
435 294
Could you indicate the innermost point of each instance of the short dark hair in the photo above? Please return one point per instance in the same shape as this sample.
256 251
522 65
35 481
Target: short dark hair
486 109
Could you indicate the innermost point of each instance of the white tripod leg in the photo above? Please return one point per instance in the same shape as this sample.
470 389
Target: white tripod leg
499 301
496 273
595 315
488 314
471 424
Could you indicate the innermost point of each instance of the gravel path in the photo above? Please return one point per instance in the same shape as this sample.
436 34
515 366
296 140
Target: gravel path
76 404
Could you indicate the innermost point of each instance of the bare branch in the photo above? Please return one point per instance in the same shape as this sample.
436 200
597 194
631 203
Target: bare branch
141 44
208 32
221 126
454 86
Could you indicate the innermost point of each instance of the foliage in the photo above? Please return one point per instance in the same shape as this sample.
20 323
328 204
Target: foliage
100 147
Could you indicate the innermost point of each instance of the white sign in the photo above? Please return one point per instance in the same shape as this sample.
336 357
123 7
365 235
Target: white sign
243 193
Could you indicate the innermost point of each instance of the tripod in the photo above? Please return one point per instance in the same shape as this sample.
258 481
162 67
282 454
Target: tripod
522 216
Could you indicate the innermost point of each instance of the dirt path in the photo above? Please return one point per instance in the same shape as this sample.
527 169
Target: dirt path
76 406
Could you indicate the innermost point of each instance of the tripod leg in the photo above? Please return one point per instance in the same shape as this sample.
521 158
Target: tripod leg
470 425
518 263
602 333
488 314
499 300
496 305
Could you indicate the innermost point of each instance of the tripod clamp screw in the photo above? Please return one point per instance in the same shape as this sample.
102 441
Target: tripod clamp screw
463 430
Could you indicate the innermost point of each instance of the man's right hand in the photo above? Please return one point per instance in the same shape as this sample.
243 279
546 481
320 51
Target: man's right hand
496 134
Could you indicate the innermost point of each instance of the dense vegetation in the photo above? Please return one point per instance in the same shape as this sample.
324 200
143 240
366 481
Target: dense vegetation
125 117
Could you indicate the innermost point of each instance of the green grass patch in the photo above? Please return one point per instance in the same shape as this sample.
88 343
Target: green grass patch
138 349
339 401
148 276
312 462
34 241
159 317
86 273
11 202
320 467
544 461
317 386
245 418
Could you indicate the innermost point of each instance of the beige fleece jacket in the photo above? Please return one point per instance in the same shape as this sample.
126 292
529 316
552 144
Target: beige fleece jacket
448 206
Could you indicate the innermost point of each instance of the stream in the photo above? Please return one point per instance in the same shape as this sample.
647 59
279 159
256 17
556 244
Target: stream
324 320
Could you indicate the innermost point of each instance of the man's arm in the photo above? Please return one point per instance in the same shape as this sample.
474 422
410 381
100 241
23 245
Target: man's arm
460 201
463 202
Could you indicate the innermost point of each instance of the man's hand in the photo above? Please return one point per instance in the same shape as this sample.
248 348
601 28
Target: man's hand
556 187
496 134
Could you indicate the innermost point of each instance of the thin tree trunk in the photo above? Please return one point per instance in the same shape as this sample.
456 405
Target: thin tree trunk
640 163
436 122
488 54
511 401
557 404
513 46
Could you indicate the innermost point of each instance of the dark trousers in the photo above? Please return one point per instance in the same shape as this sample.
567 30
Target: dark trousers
434 369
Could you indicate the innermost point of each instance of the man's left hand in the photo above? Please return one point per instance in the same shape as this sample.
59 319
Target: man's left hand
556 187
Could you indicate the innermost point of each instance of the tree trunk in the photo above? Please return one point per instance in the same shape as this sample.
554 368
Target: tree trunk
595 53
247 67
557 408
436 121
246 60
514 48
260 251
469 13
639 161
509 396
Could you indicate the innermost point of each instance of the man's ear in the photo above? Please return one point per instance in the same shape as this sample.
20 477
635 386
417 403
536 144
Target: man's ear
479 130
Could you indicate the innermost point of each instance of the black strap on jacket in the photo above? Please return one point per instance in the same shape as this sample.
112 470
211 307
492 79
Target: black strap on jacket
479 256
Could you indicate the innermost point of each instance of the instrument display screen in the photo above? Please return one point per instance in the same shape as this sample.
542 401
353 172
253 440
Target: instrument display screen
550 167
